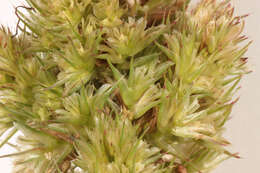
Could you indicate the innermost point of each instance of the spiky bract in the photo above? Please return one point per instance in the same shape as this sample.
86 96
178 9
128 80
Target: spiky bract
127 86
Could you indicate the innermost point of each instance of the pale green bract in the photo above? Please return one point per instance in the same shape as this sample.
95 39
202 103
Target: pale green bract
120 86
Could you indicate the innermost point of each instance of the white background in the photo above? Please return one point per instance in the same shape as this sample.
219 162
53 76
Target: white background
243 130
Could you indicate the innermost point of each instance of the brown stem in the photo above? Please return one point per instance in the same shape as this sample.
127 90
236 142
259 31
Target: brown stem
19 18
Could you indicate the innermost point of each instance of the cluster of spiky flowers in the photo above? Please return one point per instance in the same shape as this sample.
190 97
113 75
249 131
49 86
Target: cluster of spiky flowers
120 86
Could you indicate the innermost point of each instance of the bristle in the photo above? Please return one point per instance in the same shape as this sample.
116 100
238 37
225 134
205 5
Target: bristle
125 86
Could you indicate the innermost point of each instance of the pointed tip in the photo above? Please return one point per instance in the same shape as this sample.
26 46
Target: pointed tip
236 155
245 16
235 101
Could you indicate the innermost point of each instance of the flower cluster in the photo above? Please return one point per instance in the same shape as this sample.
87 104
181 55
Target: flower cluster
120 86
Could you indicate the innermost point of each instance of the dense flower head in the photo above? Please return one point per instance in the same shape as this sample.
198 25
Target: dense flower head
120 86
